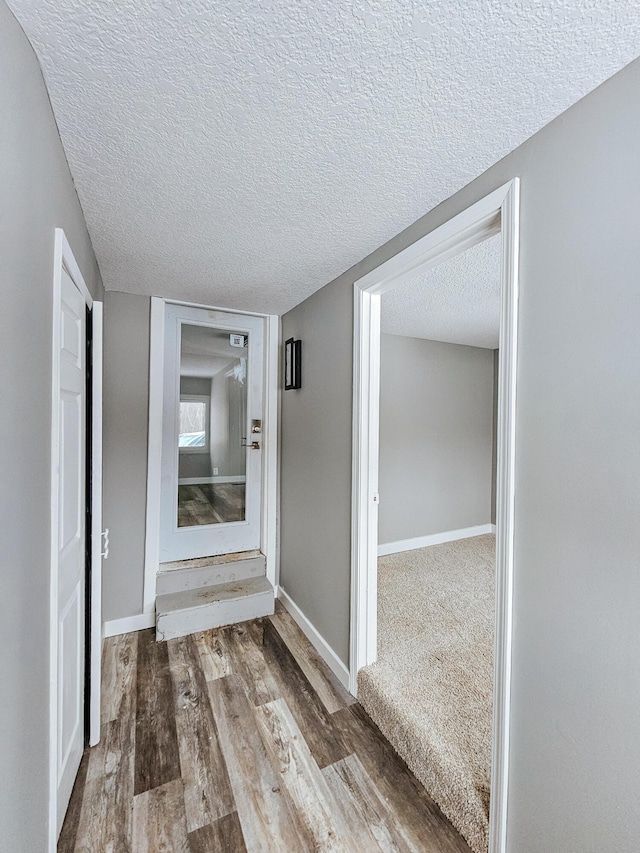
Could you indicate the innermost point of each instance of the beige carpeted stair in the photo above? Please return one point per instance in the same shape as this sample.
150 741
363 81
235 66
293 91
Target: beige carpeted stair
430 691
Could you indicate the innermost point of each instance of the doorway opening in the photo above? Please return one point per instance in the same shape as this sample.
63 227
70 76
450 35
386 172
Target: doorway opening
432 682
75 624
495 214
212 464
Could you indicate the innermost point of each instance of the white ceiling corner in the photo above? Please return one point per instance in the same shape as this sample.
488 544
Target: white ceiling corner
457 302
245 154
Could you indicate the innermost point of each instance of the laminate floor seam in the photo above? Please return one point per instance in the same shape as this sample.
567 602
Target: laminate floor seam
240 740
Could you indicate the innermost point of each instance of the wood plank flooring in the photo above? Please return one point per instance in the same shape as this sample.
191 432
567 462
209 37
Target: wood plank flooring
210 503
241 740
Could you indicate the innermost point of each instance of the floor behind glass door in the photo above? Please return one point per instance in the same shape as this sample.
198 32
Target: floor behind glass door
210 503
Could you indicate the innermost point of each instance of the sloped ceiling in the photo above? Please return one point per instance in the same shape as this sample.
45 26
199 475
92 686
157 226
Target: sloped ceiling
244 154
457 302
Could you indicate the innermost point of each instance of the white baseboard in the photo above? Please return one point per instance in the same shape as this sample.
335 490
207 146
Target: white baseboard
129 623
316 639
434 539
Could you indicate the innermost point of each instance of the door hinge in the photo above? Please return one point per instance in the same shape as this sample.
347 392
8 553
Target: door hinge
104 537
376 498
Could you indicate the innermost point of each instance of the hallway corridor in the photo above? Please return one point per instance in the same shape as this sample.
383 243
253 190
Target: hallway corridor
240 739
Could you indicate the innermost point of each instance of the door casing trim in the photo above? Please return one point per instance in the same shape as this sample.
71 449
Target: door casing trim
154 452
497 212
97 628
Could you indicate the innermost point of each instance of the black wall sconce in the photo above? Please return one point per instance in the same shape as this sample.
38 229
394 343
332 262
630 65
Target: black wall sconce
292 364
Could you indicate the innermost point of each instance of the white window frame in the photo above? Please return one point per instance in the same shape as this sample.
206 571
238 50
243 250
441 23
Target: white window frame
199 398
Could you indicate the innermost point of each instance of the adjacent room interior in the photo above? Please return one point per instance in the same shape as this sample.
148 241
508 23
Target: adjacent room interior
430 690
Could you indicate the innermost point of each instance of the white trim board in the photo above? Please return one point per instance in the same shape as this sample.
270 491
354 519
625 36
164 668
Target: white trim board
226 310
95 645
129 623
315 638
270 456
154 455
496 213
434 539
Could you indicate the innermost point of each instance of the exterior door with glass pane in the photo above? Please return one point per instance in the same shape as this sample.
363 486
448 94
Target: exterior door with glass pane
211 493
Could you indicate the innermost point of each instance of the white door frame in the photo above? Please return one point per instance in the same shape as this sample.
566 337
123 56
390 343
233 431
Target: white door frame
497 212
63 259
154 458
96 628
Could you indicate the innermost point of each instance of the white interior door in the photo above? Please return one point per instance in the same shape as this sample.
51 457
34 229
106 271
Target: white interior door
211 484
71 540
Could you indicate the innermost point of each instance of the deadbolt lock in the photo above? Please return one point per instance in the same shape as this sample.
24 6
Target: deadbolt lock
256 426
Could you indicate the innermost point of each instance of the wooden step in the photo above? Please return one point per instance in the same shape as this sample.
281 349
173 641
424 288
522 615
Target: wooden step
214 560
208 571
181 613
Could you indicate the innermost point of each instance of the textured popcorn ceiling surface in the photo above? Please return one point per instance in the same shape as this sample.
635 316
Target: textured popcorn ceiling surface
457 302
246 153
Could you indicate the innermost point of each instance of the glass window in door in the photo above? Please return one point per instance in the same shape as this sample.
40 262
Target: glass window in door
212 426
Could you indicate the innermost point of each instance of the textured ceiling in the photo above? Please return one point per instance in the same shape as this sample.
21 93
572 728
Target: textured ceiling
458 301
246 153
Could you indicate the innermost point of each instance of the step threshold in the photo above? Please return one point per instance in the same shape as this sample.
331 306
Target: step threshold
218 559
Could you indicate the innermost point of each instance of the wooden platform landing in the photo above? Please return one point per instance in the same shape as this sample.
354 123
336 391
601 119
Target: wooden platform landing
240 739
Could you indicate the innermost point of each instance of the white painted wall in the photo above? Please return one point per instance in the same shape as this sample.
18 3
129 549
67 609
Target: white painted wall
36 196
126 418
575 739
436 436
494 441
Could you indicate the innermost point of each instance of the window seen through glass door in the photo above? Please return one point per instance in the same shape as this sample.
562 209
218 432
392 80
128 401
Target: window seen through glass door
193 423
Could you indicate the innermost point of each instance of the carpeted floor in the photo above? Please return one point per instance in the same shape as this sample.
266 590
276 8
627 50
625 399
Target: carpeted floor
430 690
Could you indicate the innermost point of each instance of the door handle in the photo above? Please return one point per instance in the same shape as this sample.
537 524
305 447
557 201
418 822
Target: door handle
255 445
